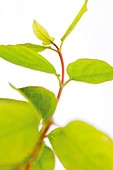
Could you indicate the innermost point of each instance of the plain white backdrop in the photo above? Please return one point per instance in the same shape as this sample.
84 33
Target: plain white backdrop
92 38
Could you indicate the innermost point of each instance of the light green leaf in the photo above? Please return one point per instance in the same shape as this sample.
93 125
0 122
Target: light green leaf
42 99
75 21
90 71
8 167
24 56
45 160
42 34
37 48
18 131
81 146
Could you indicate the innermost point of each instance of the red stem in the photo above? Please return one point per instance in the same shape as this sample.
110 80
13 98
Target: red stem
62 78
43 132
62 64
63 71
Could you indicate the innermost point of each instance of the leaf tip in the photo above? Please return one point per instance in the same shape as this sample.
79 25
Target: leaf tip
12 86
34 21
86 1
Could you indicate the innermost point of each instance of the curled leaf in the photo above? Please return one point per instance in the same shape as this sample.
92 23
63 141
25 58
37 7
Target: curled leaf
75 21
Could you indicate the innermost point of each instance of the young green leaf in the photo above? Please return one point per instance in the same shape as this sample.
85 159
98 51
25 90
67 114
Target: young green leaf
42 34
24 56
90 71
75 21
81 146
42 99
45 160
37 48
18 131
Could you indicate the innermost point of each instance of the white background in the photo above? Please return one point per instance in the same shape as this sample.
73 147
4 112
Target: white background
92 38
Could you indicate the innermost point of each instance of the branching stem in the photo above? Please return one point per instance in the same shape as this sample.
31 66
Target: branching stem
48 124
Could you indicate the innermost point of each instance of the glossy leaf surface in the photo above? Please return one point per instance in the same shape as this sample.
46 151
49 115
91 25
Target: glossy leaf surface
37 48
75 21
41 33
90 71
18 131
81 146
45 160
42 99
24 56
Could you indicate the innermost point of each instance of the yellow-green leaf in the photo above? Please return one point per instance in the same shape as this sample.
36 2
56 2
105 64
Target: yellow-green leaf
35 47
45 160
18 131
90 71
75 21
26 57
42 99
42 34
81 146
8 167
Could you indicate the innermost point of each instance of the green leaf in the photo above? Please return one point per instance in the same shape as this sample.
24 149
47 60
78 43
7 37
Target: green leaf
42 99
75 21
24 56
90 71
18 131
81 146
45 160
37 48
7 167
42 34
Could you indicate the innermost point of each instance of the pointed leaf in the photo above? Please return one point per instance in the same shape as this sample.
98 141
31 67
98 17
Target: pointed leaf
75 21
42 34
81 146
18 131
37 48
24 56
90 71
42 99
45 160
